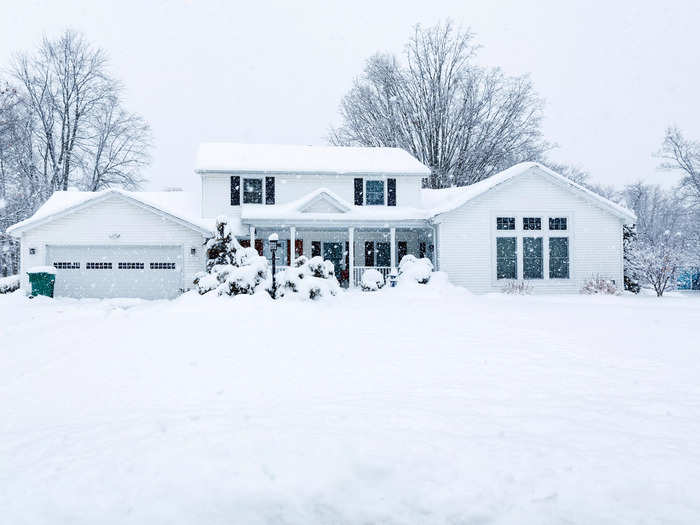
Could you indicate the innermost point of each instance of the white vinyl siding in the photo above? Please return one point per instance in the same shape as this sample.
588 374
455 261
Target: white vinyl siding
114 222
467 235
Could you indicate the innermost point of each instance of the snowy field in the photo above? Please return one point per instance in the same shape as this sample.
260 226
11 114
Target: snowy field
394 407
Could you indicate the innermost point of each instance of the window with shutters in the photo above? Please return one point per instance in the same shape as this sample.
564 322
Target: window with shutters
252 191
374 193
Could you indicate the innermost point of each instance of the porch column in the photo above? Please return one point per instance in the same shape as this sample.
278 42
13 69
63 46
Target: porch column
392 231
292 244
351 256
252 236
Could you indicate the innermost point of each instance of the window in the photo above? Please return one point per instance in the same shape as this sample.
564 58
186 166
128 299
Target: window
252 191
369 253
532 223
162 266
557 223
383 254
98 265
315 248
532 258
403 249
506 258
558 257
505 223
130 266
375 192
67 265
421 250
359 192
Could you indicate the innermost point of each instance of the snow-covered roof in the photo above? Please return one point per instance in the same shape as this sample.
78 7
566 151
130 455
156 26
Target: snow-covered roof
297 211
276 158
181 205
445 200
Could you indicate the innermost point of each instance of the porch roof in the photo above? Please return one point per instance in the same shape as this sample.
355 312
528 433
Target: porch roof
334 213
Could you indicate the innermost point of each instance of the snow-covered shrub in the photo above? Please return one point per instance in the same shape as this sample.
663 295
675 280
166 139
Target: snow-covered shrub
599 286
310 278
372 280
517 288
231 269
412 269
9 284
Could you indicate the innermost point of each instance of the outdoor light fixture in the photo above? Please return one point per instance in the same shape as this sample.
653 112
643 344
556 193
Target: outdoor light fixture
273 240
193 251
32 251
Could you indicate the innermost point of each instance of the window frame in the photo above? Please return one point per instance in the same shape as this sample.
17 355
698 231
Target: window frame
366 189
243 189
545 233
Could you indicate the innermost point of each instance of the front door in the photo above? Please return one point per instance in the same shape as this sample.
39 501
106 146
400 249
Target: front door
333 251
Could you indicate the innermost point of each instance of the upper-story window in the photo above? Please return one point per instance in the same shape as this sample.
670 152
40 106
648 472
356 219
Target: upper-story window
252 191
375 192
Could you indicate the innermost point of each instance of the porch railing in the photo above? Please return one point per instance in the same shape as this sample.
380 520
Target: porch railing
359 270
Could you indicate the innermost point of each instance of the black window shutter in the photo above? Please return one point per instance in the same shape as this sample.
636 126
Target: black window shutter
369 253
235 191
391 192
359 192
269 190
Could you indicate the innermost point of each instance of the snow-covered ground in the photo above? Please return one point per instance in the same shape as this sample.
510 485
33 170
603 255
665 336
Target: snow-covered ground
393 407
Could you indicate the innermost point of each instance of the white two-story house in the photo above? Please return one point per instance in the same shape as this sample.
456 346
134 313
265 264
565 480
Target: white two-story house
358 207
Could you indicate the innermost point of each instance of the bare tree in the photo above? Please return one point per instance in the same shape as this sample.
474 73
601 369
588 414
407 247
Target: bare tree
465 122
663 242
681 155
78 119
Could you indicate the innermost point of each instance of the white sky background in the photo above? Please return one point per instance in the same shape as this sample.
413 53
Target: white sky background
613 74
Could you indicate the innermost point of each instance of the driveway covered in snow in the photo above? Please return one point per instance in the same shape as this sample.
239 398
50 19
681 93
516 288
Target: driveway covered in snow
396 407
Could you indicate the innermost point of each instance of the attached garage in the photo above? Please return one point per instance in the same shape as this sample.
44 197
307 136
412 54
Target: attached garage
116 244
149 272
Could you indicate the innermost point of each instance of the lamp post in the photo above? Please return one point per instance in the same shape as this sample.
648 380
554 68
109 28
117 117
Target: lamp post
273 239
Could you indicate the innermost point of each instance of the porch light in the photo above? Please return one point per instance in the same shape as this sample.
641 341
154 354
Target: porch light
273 239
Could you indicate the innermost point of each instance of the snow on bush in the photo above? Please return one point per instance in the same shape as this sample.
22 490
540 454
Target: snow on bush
412 269
599 286
9 284
517 288
231 269
372 280
310 278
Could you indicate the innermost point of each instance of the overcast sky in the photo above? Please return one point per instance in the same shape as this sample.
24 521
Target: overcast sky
613 74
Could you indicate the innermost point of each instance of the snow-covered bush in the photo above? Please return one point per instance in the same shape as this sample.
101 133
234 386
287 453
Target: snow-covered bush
412 269
372 280
231 269
517 288
9 284
599 286
310 278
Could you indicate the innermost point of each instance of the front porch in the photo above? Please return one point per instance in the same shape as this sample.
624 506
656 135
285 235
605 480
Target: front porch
352 250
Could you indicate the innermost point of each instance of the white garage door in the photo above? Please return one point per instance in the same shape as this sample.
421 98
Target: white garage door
149 272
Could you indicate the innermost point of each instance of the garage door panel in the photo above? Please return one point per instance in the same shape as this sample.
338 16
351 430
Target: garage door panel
149 272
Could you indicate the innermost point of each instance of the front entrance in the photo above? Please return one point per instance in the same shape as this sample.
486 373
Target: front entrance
335 252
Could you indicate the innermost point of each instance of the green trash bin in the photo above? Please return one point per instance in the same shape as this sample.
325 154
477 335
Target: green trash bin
42 280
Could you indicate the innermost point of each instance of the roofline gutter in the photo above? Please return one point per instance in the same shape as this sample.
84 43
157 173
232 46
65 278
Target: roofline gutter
309 172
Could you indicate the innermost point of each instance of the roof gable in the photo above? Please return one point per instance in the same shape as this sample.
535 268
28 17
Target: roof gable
444 201
324 202
171 205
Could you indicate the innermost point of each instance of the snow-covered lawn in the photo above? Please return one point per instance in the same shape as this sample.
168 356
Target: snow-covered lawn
386 407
